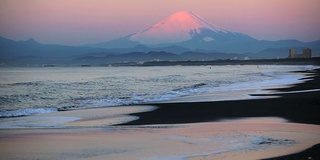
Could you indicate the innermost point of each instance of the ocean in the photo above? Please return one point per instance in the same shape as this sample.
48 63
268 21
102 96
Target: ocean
28 91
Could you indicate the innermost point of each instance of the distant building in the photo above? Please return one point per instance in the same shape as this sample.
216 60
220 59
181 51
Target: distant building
305 54
292 53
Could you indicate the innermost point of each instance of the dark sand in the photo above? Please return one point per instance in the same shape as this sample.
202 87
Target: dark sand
301 107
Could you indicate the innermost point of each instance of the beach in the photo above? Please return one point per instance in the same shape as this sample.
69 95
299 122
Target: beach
281 120
298 103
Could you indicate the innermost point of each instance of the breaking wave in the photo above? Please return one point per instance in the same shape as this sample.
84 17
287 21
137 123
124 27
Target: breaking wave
26 112
128 86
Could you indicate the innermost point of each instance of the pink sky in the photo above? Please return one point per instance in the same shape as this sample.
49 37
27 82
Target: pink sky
75 22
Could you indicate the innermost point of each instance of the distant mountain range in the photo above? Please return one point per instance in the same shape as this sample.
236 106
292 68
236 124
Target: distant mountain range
17 49
188 30
181 36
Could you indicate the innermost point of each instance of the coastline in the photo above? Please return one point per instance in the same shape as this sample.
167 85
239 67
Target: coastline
280 106
248 129
286 104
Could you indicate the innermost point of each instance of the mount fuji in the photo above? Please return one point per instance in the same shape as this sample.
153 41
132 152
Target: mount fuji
184 29
180 27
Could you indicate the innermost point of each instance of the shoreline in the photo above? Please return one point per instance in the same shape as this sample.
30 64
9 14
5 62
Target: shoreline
286 105
281 106
285 124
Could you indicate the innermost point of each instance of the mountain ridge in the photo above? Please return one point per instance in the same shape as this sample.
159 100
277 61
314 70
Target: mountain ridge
188 30
197 36
178 27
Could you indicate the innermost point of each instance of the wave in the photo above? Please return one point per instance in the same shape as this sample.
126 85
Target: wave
26 112
53 96
37 83
267 74
140 98
144 98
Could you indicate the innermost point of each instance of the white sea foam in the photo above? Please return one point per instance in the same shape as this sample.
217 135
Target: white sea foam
46 90
27 111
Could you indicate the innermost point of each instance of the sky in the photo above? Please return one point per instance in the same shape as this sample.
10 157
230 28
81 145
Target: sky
77 22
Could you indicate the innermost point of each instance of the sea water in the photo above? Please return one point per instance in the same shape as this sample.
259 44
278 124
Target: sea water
27 91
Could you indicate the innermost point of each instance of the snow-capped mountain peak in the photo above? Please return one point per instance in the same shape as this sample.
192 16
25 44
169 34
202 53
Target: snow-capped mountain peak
180 26
184 29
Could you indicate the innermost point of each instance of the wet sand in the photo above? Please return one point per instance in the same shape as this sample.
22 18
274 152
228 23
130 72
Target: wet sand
299 103
284 124
245 139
